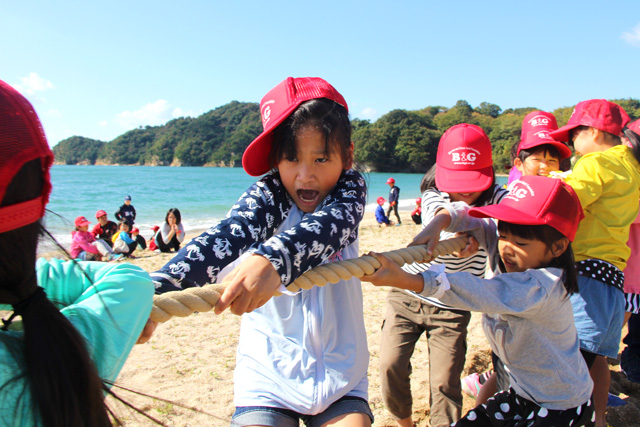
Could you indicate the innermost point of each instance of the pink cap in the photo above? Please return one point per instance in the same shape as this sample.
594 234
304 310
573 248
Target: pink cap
537 120
380 200
464 162
275 107
100 213
391 181
81 221
634 126
419 201
537 200
541 137
598 113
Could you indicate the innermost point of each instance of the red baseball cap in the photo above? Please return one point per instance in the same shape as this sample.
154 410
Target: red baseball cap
634 126
275 107
391 181
155 228
100 213
22 140
537 200
81 221
464 162
598 113
380 200
535 138
418 200
135 230
537 120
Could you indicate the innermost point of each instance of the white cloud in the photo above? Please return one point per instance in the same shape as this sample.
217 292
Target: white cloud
152 114
632 37
53 113
368 113
33 83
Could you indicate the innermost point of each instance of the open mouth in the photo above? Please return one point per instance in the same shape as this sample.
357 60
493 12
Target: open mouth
307 196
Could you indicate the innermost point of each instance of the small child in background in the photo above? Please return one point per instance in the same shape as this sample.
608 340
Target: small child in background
126 211
382 219
416 215
152 240
606 179
122 241
135 235
85 247
528 318
394 196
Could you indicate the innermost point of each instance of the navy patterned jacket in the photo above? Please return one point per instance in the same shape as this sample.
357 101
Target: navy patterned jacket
250 226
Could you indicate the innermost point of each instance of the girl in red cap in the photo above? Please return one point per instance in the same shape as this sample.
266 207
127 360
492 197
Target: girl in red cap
463 173
80 320
302 355
528 317
606 179
382 219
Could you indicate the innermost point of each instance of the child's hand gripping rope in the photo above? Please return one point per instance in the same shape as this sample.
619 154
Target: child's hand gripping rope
203 299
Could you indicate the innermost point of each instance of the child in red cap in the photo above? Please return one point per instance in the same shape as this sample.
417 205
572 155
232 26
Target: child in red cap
528 318
382 219
104 229
302 355
463 173
394 198
606 179
416 214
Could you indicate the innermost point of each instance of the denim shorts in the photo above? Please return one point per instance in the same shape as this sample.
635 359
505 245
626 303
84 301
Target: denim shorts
278 417
598 310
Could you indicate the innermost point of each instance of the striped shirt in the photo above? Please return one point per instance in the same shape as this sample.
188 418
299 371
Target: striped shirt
432 201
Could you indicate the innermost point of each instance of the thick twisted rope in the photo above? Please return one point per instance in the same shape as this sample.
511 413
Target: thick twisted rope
203 299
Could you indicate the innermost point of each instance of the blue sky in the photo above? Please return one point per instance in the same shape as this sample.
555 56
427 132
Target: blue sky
98 69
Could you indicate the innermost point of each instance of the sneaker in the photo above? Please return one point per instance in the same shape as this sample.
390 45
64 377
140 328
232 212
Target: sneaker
614 400
471 385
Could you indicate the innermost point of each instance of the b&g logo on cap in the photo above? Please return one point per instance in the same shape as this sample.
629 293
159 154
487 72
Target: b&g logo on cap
266 112
468 156
520 191
539 120
543 134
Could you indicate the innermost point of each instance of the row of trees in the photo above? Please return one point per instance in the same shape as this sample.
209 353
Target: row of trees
398 141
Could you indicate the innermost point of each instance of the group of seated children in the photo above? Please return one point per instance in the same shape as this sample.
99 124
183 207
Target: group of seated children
110 242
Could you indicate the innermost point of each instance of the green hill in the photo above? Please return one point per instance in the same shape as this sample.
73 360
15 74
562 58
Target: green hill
399 141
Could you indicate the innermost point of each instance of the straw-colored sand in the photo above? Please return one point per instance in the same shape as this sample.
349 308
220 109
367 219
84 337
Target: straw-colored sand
190 360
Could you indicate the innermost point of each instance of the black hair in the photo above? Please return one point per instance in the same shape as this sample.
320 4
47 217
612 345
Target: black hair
124 221
329 117
429 181
548 149
59 374
176 213
634 140
547 235
610 138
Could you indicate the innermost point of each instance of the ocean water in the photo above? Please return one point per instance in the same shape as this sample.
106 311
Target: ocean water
203 195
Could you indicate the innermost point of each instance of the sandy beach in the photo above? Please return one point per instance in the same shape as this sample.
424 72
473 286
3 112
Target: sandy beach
190 361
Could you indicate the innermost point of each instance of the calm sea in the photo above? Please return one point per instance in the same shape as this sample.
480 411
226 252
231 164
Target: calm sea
203 195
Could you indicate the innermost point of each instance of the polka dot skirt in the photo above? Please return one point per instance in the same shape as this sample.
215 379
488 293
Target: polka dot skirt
601 271
508 409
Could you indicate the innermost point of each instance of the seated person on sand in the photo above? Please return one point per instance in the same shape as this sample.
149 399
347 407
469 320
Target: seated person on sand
85 247
122 241
104 229
171 233
381 217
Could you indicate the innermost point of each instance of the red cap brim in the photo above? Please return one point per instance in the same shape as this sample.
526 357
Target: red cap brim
463 181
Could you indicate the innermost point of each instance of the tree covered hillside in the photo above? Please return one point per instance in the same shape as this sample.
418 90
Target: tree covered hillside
399 141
